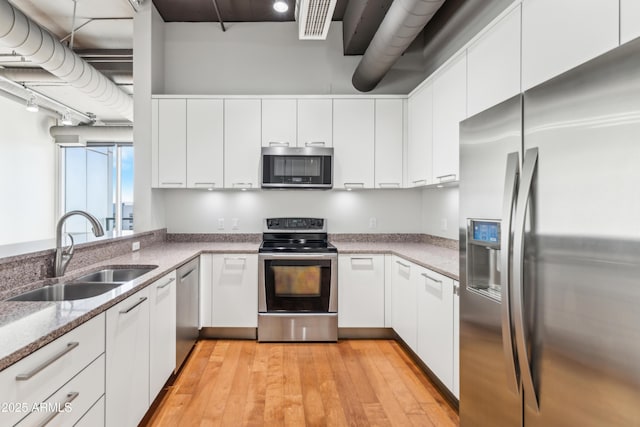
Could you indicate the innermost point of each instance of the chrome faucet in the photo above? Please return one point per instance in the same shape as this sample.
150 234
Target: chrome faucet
63 255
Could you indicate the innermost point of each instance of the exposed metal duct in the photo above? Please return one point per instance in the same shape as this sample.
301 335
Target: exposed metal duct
403 22
23 35
38 75
118 134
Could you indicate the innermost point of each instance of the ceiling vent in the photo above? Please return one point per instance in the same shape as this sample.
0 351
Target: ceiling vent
314 18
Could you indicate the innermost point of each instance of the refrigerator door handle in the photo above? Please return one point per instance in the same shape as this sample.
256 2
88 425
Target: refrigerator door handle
509 199
528 171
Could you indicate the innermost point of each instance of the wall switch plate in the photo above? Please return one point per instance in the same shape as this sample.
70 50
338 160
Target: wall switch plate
235 223
443 224
135 246
220 223
373 222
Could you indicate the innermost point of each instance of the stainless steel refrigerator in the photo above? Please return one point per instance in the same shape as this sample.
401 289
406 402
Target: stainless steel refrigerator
550 252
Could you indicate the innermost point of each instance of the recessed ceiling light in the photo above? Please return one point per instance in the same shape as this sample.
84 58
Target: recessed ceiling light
31 104
280 6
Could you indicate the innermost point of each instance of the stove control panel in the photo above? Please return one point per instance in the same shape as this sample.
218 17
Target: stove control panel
295 224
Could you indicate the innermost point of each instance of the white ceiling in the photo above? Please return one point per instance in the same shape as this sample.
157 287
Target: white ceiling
57 16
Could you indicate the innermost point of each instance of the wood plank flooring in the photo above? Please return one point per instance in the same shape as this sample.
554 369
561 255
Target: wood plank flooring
350 383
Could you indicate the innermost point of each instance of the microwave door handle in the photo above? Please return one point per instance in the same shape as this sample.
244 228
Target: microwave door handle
509 198
528 172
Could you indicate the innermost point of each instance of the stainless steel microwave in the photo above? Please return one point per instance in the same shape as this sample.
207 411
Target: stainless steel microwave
291 167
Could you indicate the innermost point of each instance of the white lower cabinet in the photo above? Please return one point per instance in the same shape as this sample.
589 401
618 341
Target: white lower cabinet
404 306
361 291
53 369
162 332
94 416
234 290
456 339
127 363
435 323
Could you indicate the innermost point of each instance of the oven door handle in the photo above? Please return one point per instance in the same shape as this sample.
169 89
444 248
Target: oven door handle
300 256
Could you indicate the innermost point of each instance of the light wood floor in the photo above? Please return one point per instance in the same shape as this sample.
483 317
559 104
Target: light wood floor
353 382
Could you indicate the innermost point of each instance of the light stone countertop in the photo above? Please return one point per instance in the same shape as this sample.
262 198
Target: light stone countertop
28 326
437 258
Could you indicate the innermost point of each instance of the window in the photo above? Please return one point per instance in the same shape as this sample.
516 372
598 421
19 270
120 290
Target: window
98 179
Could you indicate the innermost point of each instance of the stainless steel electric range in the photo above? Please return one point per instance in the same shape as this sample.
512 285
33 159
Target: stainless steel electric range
298 281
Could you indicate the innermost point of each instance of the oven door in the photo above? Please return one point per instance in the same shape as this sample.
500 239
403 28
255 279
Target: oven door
297 283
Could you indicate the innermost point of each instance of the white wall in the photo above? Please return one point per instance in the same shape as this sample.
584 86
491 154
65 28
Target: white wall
148 77
267 58
27 175
195 211
440 204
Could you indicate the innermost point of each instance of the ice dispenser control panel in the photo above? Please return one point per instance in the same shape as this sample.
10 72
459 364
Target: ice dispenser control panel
483 257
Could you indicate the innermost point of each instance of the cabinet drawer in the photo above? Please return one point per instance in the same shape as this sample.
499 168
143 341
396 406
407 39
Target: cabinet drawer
36 377
94 416
72 401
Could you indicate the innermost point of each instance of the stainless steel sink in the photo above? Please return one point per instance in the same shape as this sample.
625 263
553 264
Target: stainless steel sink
67 292
115 275
87 286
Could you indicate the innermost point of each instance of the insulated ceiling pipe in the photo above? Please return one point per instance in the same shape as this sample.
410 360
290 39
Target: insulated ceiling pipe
400 26
95 133
26 38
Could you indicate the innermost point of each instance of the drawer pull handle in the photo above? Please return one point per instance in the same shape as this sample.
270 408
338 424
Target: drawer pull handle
187 274
71 396
403 264
420 181
361 259
278 144
167 284
389 185
70 346
426 276
140 301
315 144
172 183
450 177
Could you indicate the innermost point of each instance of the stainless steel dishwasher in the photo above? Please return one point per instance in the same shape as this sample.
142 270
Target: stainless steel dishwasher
187 309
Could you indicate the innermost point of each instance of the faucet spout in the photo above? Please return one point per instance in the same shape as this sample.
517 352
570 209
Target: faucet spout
63 256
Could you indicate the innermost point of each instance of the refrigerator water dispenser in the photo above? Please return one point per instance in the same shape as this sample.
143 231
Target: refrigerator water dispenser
483 256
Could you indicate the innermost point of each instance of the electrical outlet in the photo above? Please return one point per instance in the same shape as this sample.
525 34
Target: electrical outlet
443 224
373 222
135 246
220 223
235 223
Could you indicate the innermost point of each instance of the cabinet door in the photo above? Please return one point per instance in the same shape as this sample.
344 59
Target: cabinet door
456 339
449 109
435 323
206 289
241 143
279 122
559 35
172 143
127 364
94 416
162 331
353 132
361 291
389 133
315 122
205 143
404 309
629 20
419 150
493 65
235 291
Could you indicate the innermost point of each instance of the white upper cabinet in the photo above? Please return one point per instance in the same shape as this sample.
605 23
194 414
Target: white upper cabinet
629 20
242 133
353 132
389 134
279 120
559 35
493 65
172 143
449 109
205 143
315 122
419 150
